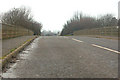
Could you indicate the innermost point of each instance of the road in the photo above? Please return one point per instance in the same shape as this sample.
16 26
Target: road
67 57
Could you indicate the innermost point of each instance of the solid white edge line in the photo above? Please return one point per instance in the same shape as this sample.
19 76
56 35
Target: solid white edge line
106 48
76 40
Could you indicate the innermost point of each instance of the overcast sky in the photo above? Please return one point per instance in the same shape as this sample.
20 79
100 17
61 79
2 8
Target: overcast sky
54 13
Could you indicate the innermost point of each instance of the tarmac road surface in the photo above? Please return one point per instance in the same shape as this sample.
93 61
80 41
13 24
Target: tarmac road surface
67 57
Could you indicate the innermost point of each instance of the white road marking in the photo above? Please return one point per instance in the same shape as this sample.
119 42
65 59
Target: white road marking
76 40
65 37
106 48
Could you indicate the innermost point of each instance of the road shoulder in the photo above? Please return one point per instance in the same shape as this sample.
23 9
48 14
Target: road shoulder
6 59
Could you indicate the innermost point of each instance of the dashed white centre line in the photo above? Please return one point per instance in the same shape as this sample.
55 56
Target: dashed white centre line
99 46
106 48
65 37
76 40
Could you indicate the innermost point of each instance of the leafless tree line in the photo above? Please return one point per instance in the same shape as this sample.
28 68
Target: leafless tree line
21 17
80 21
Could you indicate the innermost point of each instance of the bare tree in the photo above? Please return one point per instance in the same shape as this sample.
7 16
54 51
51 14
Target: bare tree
80 21
22 17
